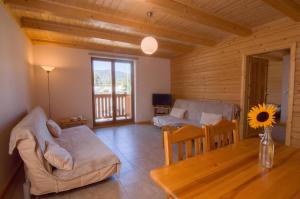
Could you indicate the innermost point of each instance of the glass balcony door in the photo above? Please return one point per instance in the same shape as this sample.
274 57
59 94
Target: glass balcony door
123 90
112 91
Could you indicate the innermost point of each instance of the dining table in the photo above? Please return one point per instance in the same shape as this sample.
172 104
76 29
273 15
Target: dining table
233 172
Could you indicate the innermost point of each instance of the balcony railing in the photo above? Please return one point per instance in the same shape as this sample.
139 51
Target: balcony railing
104 106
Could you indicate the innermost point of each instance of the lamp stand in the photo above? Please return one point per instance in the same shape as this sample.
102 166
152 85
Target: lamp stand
49 104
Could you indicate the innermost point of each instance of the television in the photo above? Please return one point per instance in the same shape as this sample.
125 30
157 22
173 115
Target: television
161 99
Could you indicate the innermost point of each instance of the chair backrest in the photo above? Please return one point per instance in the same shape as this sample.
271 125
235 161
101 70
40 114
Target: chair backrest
221 134
186 136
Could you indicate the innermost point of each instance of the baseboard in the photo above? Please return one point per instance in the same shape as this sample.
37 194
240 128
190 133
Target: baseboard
144 122
104 125
121 124
8 184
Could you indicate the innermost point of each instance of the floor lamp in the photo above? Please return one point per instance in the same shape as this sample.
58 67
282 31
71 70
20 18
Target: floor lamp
48 69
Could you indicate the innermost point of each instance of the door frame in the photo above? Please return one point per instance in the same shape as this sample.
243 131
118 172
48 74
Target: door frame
244 87
114 121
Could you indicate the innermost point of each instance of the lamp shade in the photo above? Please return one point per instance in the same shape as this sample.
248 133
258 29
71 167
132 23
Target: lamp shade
149 45
48 68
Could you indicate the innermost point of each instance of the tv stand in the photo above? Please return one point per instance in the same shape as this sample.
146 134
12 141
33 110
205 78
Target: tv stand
161 110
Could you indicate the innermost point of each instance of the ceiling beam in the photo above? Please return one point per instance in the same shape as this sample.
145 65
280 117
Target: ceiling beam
97 47
192 14
287 7
100 33
109 16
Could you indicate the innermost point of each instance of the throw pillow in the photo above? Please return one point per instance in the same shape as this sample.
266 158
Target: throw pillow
58 157
177 112
210 118
54 129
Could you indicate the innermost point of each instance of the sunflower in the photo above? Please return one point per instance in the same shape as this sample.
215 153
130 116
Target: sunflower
262 116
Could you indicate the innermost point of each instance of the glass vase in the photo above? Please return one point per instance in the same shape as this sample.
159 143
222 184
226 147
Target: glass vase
266 150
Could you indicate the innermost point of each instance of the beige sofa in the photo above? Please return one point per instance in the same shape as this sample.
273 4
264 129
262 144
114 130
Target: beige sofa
93 160
194 110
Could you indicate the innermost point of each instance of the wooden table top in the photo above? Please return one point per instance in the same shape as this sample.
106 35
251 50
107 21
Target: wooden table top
233 172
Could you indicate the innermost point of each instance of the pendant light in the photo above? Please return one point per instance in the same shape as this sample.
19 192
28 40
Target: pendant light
149 44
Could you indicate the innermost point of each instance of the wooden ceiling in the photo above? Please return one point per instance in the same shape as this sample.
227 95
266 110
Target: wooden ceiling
119 25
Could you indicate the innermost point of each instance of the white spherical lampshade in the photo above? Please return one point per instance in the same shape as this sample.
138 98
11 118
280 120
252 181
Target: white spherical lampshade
149 45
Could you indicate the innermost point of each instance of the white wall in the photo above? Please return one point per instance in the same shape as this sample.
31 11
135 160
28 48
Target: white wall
70 81
71 87
15 88
153 76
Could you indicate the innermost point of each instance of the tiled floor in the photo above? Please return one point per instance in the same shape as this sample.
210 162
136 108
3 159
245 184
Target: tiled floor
139 148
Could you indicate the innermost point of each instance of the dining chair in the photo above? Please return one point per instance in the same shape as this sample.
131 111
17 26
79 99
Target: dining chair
169 128
186 136
221 134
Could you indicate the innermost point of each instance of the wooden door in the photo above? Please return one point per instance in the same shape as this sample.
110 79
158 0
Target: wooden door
257 86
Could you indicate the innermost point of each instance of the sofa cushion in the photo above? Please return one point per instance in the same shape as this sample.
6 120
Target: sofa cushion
170 120
35 124
177 112
210 118
58 157
195 108
33 127
88 152
53 128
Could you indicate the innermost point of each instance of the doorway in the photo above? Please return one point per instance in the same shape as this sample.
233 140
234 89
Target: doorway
267 81
113 94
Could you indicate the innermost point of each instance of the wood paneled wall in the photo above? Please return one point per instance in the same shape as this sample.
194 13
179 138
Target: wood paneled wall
216 73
